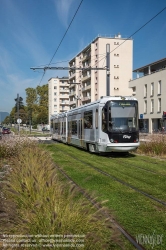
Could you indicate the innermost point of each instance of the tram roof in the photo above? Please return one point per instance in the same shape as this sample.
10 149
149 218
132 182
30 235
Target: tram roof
103 100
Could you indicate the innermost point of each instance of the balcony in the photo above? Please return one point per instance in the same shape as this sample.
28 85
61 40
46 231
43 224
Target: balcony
86 98
63 110
64 103
64 90
86 57
85 78
72 93
72 76
66 85
72 102
86 88
72 85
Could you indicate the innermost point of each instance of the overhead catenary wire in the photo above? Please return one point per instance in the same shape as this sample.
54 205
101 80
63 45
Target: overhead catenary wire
44 65
130 36
62 39
138 30
111 50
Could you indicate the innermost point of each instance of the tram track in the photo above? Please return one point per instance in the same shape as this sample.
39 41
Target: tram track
127 235
145 169
116 179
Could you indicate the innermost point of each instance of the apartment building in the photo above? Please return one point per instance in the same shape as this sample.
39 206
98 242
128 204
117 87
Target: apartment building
150 89
58 95
89 85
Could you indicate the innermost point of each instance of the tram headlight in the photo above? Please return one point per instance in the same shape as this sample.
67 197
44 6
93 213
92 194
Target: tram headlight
113 141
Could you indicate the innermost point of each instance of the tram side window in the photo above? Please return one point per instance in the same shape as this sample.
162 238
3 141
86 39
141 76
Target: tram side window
59 128
64 127
69 128
74 127
104 119
56 127
88 120
96 119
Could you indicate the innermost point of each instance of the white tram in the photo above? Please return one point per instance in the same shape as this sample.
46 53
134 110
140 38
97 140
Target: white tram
107 125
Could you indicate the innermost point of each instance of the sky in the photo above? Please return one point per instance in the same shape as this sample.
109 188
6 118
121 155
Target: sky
31 30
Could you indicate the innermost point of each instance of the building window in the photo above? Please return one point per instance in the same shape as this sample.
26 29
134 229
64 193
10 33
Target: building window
116 66
145 106
159 87
152 105
116 43
159 105
116 54
54 99
134 90
145 90
55 87
55 106
152 89
54 93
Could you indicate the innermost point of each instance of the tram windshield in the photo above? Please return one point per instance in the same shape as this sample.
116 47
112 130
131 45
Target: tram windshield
122 116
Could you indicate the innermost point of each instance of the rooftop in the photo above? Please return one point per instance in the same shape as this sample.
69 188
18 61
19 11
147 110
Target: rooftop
160 64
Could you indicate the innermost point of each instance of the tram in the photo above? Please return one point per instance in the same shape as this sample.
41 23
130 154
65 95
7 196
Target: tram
107 125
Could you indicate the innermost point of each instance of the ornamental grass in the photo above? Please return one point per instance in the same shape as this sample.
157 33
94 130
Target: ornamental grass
154 145
11 146
38 205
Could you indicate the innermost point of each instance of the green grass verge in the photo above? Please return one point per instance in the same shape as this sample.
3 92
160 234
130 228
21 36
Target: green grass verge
137 213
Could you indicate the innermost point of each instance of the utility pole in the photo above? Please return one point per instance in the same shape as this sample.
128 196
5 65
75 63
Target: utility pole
30 120
108 69
18 112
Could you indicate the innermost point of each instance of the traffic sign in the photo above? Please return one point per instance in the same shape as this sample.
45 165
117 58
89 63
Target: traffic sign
141 116
19 120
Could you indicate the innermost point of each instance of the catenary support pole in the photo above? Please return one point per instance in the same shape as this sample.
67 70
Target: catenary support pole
18 112
108 69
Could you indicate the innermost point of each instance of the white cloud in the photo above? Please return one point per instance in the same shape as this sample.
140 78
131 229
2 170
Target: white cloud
62 8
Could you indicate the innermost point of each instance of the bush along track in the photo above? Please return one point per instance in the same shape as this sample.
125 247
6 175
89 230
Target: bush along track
138 214
36 201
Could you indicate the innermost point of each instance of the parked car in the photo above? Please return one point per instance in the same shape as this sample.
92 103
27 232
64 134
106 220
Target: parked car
45 129
6 131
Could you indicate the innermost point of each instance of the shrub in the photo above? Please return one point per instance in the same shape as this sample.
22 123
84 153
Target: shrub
156 145
12 146
46 206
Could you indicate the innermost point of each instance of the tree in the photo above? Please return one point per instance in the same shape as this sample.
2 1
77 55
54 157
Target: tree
37 103
31 98
42 118
7 120
19 103
42 92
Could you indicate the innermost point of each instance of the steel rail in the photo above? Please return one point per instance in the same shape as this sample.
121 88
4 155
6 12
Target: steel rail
145 169
95 204
117 179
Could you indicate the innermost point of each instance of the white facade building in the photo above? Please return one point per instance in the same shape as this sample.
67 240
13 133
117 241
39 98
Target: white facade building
91 84
150 90
58 95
